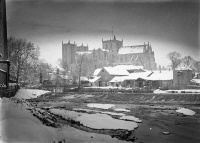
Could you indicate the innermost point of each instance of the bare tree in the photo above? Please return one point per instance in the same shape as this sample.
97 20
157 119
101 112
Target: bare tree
84 66
175 58
21 54
189 61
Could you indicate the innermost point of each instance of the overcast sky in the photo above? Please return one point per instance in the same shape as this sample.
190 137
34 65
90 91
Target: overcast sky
168 26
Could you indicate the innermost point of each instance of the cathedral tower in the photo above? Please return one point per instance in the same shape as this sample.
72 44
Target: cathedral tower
112 45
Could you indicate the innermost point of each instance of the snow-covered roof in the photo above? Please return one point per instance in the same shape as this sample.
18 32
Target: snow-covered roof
163 75
116 71
84 52
182 66
131 50
94 79
97 71
134 76
118 79
195 81
129 67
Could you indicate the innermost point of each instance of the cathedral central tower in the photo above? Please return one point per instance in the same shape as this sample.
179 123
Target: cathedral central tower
112 45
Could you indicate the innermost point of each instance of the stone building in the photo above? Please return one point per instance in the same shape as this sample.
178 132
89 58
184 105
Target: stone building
112 45
137 55
182 76
68 54
112 53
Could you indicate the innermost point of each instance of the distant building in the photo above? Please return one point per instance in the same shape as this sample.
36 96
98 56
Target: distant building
112 45
182 76
112 53
68 54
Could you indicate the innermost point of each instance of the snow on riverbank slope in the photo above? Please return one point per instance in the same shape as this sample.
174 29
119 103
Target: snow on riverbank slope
29 93
18 124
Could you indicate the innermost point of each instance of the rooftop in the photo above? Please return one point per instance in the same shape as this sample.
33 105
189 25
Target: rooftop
116 71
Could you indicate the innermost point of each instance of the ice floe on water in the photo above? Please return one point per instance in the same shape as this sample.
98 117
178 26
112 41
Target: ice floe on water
185 111
102 121
102 106
96 121
121 109
131 118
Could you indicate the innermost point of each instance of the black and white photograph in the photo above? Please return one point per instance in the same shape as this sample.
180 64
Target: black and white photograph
99 71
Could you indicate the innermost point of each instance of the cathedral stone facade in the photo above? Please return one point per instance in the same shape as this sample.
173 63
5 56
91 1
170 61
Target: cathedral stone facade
112 53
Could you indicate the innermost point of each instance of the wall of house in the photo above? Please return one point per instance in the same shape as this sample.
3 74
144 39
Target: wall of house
105 77
182 80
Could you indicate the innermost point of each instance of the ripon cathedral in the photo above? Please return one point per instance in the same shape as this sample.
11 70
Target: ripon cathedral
112 53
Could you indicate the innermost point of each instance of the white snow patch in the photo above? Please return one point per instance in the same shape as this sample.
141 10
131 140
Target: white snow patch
102 106
121 109
96 121
159 91
29 93
131 118
18 125
185 111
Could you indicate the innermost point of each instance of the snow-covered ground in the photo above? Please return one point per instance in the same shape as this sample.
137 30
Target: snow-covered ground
29 93
19 125
185 111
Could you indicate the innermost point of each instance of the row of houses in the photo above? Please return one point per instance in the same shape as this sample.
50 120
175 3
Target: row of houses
138 77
